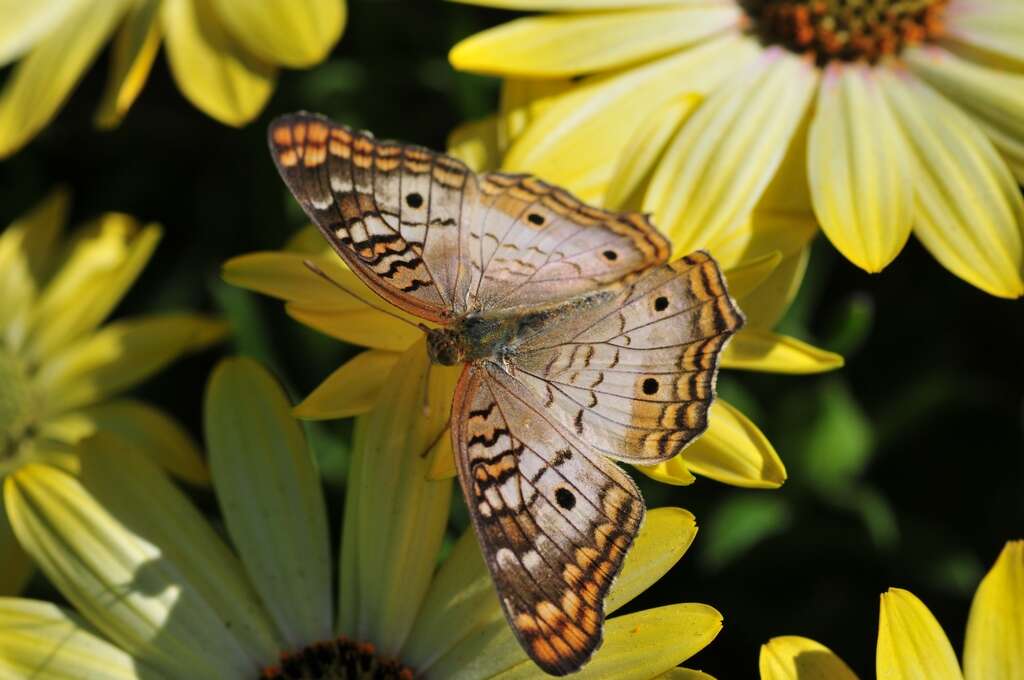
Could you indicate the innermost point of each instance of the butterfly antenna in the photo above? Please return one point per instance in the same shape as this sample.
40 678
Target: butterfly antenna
312 266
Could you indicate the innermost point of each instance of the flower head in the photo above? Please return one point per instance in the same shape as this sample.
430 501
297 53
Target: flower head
61 369
877 118
911 643
162 593
223 54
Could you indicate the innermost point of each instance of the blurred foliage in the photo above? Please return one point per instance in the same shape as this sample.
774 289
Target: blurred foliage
906 468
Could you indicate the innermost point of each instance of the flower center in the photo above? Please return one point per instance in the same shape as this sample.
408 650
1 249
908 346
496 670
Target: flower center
17 406
339 659
847 30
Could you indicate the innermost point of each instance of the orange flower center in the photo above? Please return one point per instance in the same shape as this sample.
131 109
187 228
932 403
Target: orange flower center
847 30
338 659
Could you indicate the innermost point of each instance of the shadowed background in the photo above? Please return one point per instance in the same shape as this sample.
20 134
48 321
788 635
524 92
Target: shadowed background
906 468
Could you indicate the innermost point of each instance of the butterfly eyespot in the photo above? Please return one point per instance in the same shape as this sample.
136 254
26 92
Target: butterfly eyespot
535 218
414 200
565 499
610 255
650 386
661 304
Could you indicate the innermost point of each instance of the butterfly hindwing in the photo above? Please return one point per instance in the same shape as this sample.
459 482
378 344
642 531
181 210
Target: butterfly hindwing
635 375
554 519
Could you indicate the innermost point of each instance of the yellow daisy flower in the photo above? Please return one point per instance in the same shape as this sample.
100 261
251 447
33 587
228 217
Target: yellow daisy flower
904 116
158 592
911 643
61 371
224 54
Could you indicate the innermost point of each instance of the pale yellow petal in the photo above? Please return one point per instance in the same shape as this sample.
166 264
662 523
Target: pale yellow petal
18 566
521 101
121 355
684 674
858 167
642 152
995 627
993 98
746 277
576 5
577 140
270 494
41 640
210 67
394 516
556 45
284 275
153 433
475 143
366 327
911 644
734 451
718 166
285 32
104 260
131 60
989 30
672 471
665 536
767 303
642 645
969 212
753 349
42 80
140 563
26 23
791 657
351 390
442 457
26 253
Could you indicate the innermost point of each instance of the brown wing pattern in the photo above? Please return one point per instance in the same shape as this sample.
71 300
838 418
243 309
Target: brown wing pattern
394 212
635 375
531 242
553 518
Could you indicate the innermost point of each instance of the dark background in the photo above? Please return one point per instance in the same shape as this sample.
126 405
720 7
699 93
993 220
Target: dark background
905 468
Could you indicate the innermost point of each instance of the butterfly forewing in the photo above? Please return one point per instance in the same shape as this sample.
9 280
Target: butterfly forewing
554 519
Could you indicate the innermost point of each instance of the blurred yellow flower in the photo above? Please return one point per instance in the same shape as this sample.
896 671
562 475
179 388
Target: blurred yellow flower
223 54
61 371
911 643
904 116
162 595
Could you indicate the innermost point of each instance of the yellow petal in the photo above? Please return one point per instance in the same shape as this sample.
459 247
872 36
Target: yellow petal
523 100
968 212
642 645
552 5
442 457
40 640
734 451
26 23
672 471
285 32
351 390
104 260
994 99
758 350
718 166
557 45
17 565
140 563
798 658
995 627
152 432
765 305
210 67
42 80
284 275
394 516
26 250
911 644
121 355
685 674
745 278
988 29
643 151
858 168
476 144
578 138
270 493
663 539
366 327
134 51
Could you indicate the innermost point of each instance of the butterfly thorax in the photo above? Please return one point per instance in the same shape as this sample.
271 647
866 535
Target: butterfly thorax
496 335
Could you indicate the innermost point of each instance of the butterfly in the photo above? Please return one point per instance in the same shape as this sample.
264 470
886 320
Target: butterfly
581 344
